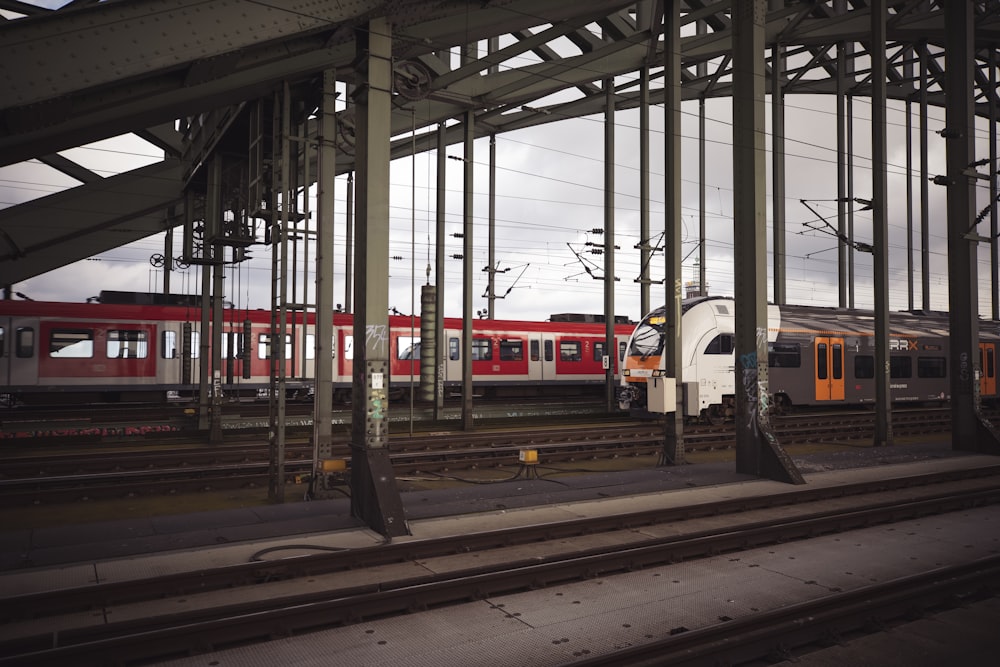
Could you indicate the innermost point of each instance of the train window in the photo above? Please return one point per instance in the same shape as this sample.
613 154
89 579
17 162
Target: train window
310 346
864 366
900 366
511 350
71 343
2 342
721 344
232 345
570 350
647 340
838 361
549 350
932 367
990 362
127 344
482 349
454 351
408 348
621 350
168 345
264 346
348 347
24 342
784 355
599 351
821 357
195 344
534 350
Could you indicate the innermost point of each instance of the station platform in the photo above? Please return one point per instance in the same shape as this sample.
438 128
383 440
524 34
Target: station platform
57 545
558 625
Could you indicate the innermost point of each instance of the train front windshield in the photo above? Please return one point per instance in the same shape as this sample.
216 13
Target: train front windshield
647 340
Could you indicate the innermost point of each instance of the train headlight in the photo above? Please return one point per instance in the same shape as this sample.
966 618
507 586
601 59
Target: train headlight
626 372
659 372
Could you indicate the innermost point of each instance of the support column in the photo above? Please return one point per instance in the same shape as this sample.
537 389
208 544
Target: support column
880 233
757 449
374 495
645 250
778 171
925 214
442 199
491 252
326 173
467 250
214 252
610 348
969 431
673 427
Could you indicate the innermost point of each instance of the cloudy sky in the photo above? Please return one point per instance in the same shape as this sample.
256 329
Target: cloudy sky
550 183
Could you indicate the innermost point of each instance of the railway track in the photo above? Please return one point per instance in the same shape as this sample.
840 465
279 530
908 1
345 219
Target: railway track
60 477
264 599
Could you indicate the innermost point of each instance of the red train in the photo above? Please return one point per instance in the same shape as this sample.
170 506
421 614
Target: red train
100 352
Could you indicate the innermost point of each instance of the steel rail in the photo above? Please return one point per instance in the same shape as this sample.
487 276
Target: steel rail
113 593
215 628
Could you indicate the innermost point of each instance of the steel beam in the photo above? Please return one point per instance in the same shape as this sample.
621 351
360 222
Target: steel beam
610 348
374 495
757 449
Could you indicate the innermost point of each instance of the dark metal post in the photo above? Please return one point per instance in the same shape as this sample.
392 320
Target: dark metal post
374 494
880 234
757 449
467 250
968 430
673 436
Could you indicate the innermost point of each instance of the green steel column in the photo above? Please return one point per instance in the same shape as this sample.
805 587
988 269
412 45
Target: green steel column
673 435
374 495
880 233
757 449
326 172
467 250
968 430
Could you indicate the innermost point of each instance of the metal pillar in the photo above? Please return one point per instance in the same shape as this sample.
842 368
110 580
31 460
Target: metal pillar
909 202
213 252
925 213
442 198
994 232
467 228
880 233
849 123
757 449
778 171
610 348
281 179
349 249
374 495
326 172
672 452
491 265
842 197
702 29
645 250
968 430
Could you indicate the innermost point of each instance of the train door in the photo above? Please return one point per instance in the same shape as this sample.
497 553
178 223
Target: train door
988 363
19 351
548 357
829 376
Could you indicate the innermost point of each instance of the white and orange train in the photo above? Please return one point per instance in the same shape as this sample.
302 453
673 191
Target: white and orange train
816 357
83 352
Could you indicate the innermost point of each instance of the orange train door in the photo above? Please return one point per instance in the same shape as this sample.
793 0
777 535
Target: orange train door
987 361
829 353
